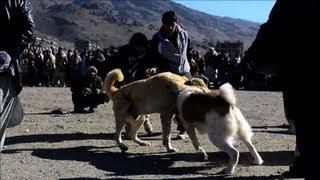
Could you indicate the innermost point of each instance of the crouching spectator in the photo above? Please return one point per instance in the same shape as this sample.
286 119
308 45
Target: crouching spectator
87 92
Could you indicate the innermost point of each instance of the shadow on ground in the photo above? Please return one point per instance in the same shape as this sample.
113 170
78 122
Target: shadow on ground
211 177
52 138
127 164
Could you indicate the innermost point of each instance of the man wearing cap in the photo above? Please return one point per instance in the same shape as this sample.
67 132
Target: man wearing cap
172 45
17 28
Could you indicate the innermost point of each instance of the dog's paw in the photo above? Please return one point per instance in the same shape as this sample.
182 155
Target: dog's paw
202 153
124 148
144 143
226 171
204 156
171 150
258 161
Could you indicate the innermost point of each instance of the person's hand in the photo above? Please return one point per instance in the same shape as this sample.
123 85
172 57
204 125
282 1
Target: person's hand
151 71
193 63
86 91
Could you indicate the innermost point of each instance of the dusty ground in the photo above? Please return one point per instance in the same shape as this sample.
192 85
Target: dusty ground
80 145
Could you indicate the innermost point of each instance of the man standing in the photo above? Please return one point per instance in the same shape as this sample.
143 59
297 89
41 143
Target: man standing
17 28
172 45
61 65
293 23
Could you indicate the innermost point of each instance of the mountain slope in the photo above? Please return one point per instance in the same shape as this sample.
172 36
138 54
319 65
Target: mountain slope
112 22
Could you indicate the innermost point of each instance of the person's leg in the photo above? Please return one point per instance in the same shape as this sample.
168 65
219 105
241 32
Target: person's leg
7 94
77 102
291 115
288 111
94 100
307 132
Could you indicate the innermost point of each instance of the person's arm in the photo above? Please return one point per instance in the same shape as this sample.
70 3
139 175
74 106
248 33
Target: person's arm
26 26
192 63
99 83
189 50
158 59
24 23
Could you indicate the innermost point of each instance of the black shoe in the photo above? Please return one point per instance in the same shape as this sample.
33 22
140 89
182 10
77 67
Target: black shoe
295 170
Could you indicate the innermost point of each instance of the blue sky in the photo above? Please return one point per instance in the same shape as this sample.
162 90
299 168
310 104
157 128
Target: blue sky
253 10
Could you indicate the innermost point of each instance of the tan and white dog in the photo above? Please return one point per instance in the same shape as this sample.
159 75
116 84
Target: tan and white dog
216 113
157 94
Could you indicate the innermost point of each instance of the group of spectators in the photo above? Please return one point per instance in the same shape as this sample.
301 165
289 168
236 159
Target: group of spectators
48 67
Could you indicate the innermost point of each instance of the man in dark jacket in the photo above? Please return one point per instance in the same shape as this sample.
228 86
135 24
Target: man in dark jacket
16 29
136 62
293 24
135 59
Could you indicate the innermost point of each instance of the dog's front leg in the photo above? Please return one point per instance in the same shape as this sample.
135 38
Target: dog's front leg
193 136
166 120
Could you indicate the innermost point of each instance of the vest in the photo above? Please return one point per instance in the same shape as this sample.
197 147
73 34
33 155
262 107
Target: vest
176 58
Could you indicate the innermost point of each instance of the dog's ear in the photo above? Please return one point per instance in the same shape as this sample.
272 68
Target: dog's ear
196 82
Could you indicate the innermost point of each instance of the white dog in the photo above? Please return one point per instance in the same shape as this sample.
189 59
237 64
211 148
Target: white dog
216 113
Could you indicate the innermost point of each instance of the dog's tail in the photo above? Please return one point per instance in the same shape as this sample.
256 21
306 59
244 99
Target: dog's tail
227 92
111 78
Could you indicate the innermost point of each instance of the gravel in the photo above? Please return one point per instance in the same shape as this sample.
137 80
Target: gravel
81 146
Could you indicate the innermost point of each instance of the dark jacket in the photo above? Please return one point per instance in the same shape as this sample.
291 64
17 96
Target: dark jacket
17 28
17 25
86 82
283 44
132 67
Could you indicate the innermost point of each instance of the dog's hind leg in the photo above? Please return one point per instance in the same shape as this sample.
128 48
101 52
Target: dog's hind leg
120 123
245 134
166 120
226 146
247 141
193 136
135 126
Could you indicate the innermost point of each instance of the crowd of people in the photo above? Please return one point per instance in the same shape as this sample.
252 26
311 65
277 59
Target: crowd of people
48 67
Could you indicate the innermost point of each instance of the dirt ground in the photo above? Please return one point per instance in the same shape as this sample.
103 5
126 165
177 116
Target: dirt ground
81 146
